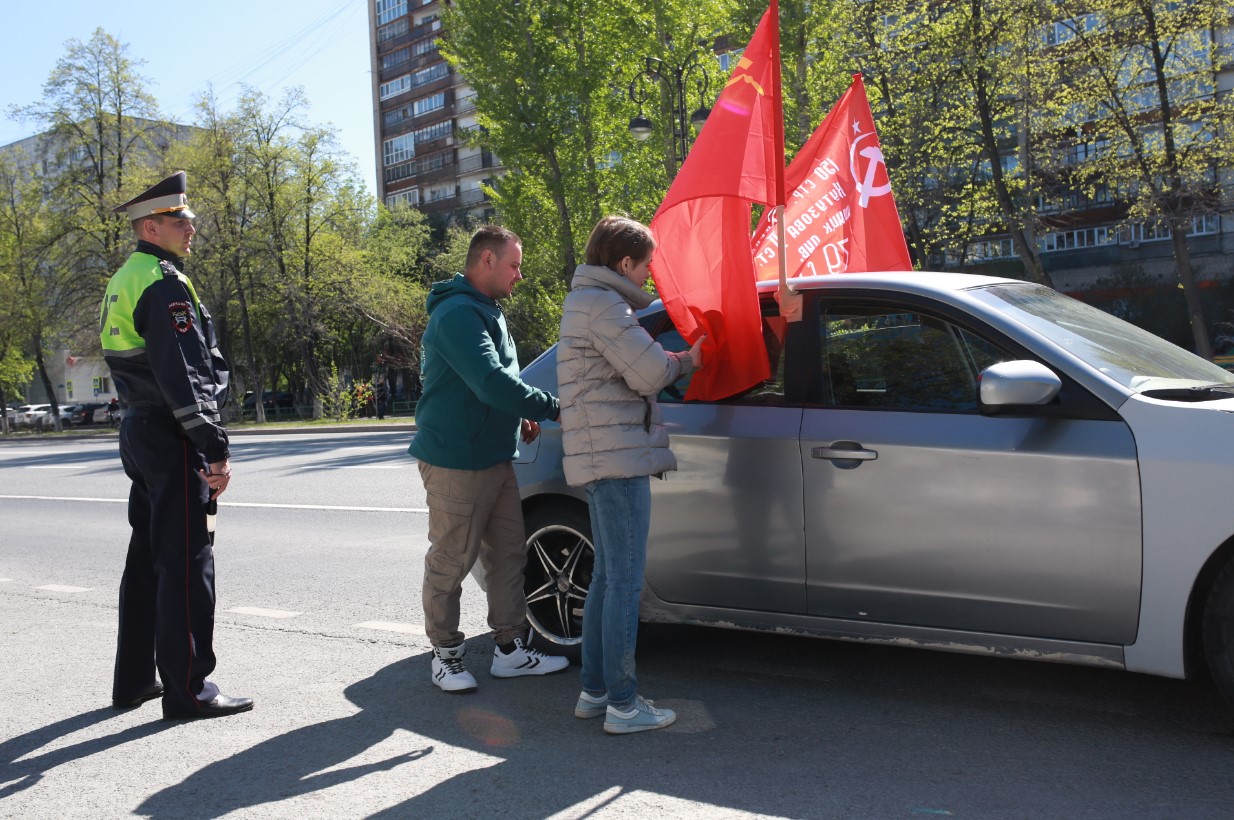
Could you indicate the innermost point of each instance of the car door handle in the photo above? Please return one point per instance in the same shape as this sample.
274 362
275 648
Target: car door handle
845 451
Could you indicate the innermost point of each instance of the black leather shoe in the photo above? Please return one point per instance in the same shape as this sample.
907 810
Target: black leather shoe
154 690
221 706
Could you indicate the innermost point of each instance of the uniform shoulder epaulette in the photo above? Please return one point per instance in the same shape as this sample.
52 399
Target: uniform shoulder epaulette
168 269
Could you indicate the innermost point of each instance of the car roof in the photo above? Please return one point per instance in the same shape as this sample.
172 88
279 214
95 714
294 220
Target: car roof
920 282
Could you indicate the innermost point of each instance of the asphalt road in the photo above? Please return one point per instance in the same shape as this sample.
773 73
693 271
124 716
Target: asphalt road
319 558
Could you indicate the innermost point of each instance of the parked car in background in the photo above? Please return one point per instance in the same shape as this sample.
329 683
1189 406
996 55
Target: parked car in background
47 421
945 461
28 414
279 404
84 413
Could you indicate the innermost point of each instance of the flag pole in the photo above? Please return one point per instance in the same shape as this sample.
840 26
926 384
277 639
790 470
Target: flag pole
790 300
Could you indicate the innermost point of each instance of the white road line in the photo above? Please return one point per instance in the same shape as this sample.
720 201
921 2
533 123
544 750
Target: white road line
352 467
55 467
62 588
228 504
323 507
3 580
109 501
387 626
263 613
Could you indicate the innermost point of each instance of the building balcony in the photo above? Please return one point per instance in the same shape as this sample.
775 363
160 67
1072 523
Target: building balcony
411 64
475 163
475 196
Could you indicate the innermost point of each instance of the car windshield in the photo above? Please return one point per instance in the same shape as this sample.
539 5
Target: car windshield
1135 358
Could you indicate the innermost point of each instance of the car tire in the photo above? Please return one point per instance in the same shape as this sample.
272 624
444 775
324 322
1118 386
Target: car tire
1219 630
560 558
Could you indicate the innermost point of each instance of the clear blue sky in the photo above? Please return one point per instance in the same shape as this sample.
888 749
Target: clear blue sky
321 45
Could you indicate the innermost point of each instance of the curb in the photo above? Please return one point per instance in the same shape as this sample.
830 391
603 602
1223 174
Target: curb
410 427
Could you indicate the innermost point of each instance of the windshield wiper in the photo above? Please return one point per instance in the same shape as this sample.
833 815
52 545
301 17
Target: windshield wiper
1206 392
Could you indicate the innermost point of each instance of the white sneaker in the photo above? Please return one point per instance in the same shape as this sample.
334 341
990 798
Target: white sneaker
641 717
524 661
448 671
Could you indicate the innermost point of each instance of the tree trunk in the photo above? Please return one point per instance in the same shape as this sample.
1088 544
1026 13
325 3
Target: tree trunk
47 386
1191 293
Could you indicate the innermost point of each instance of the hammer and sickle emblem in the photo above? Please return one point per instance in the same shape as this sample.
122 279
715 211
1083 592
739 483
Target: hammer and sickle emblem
866 186
739 75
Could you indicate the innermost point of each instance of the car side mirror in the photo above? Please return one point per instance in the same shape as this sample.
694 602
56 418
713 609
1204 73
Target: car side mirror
1008 386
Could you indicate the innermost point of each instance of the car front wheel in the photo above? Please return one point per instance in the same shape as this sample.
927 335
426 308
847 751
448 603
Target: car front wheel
1219 631
560 558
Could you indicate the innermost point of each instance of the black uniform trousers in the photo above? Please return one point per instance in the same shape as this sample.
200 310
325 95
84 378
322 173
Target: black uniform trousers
167 592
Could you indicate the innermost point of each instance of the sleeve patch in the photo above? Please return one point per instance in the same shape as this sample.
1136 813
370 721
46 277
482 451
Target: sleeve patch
181 316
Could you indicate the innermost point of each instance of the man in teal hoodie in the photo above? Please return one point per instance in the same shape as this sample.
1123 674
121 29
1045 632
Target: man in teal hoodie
470 416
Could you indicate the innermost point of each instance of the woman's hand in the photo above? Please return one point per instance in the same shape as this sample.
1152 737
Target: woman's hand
696 351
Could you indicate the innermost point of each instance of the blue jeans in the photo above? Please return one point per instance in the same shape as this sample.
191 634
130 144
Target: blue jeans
620 520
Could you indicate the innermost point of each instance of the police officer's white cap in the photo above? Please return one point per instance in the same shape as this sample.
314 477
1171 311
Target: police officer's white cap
167 198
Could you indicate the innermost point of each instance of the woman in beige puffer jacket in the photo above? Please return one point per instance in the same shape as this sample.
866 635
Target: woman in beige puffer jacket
609 371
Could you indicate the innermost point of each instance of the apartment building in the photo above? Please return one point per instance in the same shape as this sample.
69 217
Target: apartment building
422 112
1086 240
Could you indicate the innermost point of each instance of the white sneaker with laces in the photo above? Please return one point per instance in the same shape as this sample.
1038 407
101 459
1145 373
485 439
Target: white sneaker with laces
642 716
449 673
525 661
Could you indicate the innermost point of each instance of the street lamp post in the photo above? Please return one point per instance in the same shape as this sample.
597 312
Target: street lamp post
677 83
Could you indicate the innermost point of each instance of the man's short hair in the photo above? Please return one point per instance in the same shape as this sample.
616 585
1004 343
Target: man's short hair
488 238
137 223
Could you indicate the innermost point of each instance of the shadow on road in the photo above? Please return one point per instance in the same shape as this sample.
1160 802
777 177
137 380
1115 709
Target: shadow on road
768 725
20 772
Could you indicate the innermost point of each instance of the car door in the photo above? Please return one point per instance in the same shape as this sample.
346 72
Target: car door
922 511
727 527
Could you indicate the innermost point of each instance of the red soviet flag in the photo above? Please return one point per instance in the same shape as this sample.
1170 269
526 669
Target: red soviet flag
841 215
703 267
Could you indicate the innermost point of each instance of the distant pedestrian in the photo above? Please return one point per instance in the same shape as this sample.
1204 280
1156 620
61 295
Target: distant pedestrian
158 340
609 371
470 416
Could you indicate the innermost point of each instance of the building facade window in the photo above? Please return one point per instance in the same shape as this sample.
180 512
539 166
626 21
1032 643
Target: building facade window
396 29
395 87
432 102
388 10
397 115
399 149
395 58
435 131
424 46
440 192
411 198
428 75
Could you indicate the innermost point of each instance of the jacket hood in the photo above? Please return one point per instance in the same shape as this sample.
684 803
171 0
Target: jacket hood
598 276
458 286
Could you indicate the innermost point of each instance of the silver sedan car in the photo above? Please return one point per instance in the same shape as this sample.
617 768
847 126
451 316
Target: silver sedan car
945 461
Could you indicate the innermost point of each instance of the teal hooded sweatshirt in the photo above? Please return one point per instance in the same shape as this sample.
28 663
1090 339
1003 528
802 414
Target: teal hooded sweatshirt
473 400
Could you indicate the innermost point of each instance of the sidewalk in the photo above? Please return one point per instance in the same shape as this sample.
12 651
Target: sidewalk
400 425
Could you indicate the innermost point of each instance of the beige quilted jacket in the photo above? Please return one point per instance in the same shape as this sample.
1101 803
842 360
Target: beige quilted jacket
609 371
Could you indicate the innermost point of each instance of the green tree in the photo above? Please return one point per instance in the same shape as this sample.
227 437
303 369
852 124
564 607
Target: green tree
1141 75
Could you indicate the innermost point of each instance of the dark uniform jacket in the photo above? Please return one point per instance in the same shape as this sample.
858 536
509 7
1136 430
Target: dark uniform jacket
158 339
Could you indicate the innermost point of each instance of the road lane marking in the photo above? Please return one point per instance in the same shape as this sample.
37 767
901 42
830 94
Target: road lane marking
339 508
352 466
62 588
263 613
387 626
55 466
2 580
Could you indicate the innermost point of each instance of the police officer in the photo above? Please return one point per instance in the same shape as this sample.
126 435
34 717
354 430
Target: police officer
159 342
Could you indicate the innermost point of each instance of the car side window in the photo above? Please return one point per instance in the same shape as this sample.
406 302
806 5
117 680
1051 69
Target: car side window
901 359
770 391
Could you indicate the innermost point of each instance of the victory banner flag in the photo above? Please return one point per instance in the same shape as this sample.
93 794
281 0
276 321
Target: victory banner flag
840 216
703 267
